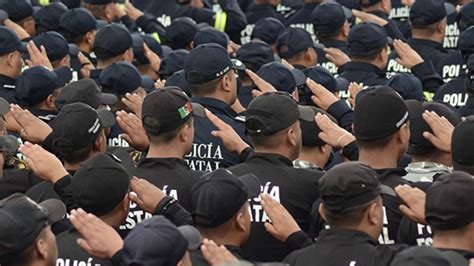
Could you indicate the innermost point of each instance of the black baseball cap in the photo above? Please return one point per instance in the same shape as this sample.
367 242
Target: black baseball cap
350 184
310 129
139 58
179 80
156 241
268 30
207 62
17 9
367 39
255 54
465 17
122 77
219 195
427 12
293 41
427 256
9 144
76 22
84 91
34 85
322 76
78 125
462 150
9 41
407 85
418 143
22 220
111 41
272 112
181 33
379 113
55 44
211 35
466 42
170 107
173 62
327 18
102 171
47 18
449 202
280 77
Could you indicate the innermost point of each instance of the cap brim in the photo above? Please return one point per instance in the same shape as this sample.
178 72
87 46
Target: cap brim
415 109
4 106
147 83
450 9
106 117
252 184
342 84
299 76
306 113
108 99
198 110
192 235
238 65
387 191
73 50
10 144
56 210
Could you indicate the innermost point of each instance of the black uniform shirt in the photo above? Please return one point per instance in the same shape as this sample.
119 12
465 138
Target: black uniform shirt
17 180
467 109
296 189
7 88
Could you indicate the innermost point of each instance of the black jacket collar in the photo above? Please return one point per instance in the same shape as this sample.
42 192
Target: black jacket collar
346 235
272 158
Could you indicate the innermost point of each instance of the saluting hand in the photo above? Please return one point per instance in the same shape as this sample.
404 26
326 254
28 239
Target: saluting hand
322 97
32 129
231 140
216 255
43 163
414 207
442 131
146 195
331 133
282 223
134 133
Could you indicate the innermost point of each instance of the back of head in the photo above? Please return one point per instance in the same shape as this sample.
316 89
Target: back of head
173 62
407 85
75 23
255 54
55 44
17 10
34 86
47 18
122 77
279 76
427 256
293 41
181 32
111 41
268 30
84 91
466 43
466 16
366 40
462 150
211 35
427 12
328 19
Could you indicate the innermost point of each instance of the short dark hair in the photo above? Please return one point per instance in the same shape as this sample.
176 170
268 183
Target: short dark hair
163 137
329 36
348 217
208 87
75 156
366 58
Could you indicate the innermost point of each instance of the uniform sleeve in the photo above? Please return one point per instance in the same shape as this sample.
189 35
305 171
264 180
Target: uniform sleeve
62 188
173 211
393 31
428 76
231 19
343 113
150 25
298 240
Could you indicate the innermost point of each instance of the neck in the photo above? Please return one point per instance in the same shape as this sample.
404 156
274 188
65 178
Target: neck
378 159
169 150
313 156
439 158
216 96
71 166
280 151
462 243
434 37
223 240
85 47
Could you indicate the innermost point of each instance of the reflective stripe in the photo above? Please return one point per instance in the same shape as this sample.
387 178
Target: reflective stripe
428 95
221 20
156 36
44 2
121 6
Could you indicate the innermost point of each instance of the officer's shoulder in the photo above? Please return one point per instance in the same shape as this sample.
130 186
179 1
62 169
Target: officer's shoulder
300 256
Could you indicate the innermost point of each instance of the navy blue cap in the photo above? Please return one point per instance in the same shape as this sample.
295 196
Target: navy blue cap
255 54
329 17
173 62
34 85
282 78
17 9
322 76
211 35
268 30
427 12
76 22
466 41
111 41
55 44
293 41
179 80
366 39
207 62
466 16
407 85
9 41
181 33
139 58
156 241
47 18
120 78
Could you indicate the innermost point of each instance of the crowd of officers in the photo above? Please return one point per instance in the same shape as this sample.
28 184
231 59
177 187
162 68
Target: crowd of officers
237 132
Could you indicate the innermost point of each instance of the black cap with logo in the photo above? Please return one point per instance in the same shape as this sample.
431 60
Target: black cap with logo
219 195
449 202
22 220
272 112
84 91
367 39
111 41
350 184
94 175
169 108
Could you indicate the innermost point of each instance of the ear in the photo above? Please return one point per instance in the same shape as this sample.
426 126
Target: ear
225 82
128 56
90 37
183 133
126 203
321 212
291 137
373 214
442 25
50 101
345 29
191 45
108 13
10 59
240 222
386 5
42 248
404 134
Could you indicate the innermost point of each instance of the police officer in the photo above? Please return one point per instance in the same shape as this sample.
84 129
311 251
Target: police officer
351 195
107 10
382 8
47 18
10 62
212 78
272 122
84 91
280 77
302 18
296 46
180 33
468 109
454 92
21 12
267 30
331 27
231 19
